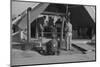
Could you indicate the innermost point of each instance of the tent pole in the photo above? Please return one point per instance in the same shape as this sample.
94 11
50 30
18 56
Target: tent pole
67 10
62 27
36 31
28 24
66 21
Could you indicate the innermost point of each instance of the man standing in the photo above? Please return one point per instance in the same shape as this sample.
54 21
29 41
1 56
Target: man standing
68 34
40 22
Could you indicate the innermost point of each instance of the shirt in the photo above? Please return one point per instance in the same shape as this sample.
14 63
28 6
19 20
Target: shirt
68 27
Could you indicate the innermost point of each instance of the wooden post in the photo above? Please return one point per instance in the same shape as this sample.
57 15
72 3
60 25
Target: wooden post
36 31
67 10
66 21
62 28
28 24
27 44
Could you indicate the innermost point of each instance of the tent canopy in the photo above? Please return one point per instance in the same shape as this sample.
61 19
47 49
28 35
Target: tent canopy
19 7
80 15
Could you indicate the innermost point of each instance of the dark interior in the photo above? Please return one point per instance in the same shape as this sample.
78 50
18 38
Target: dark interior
79 18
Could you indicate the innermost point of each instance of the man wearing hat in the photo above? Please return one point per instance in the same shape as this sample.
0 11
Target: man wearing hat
68 34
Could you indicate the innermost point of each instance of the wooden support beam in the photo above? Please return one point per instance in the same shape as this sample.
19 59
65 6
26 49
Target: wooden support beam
37 35
62 29
53 13
28 24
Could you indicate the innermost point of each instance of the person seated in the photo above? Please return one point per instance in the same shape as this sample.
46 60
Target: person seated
52 45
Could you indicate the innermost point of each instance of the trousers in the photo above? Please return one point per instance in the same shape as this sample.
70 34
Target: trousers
68 41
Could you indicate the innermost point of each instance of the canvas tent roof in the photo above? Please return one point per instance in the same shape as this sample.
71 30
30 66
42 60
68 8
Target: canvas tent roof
91 11
85 14
37 8
81 15
19 7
